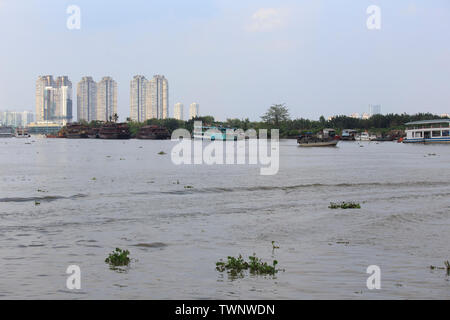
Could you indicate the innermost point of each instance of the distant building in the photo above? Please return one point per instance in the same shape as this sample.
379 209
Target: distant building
43 83
365 116
106 99
149 99
64 101
355 116
445 115
178 111
53 99
158 97
138 98
374 109
194 110
16 118
87 99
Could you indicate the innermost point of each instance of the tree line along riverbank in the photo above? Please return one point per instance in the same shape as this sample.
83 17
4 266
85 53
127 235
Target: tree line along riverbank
277 117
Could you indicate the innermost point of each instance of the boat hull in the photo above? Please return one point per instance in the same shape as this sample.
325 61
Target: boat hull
152 137
319 144
428 141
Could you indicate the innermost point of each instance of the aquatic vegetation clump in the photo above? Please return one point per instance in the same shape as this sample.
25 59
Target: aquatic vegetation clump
447 267
345 205
255 265
162 153
118 258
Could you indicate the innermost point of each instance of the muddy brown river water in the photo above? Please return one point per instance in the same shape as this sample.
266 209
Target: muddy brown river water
71 202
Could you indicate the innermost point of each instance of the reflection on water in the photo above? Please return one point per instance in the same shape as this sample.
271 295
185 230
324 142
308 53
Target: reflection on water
65 202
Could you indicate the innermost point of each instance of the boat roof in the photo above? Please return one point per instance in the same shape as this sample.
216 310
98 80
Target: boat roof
428 122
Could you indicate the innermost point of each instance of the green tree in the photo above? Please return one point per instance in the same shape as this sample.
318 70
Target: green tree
276 114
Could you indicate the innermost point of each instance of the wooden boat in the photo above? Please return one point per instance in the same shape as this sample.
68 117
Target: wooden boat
76 131
330 143
112 130
325 138
94 133
153 133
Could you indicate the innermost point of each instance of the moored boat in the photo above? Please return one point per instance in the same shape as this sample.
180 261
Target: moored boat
325 138
153 132
363 136
6 132
22 133
348 135
217 134
430 131
383 138
94 133
112 130
76 131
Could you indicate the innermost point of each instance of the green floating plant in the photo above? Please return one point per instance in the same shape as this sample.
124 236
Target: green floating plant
255 265
345 205
118 258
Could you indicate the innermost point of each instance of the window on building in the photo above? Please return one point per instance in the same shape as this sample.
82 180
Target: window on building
446 133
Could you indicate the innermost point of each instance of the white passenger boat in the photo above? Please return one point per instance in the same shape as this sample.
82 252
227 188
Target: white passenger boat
430 131
363 136
22 133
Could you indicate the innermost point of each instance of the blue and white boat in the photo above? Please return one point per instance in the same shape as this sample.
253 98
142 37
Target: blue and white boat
430 131
217 134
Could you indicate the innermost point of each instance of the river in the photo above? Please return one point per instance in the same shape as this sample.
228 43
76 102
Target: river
71 202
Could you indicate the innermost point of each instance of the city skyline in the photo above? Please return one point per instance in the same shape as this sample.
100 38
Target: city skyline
319 68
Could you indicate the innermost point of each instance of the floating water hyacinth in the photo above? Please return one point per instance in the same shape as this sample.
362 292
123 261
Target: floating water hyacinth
118 258
345 205
255 265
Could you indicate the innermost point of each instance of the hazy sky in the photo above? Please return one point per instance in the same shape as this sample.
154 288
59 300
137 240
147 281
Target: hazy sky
236 58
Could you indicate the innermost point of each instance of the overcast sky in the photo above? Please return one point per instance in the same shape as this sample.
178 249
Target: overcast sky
236 58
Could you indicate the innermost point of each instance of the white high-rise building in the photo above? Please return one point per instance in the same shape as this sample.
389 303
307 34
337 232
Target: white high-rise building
42 83
53 100
106 99
149 99
178 111
138 98
158 97
87 99
64 100
194 110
